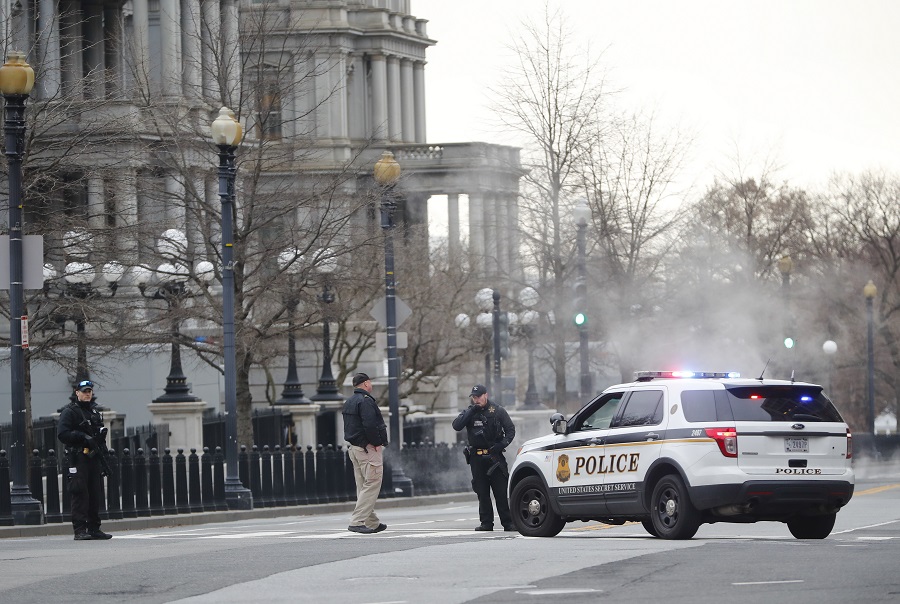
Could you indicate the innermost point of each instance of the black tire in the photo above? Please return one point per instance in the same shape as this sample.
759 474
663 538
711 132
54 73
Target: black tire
811 527
672 513
531 510
648 526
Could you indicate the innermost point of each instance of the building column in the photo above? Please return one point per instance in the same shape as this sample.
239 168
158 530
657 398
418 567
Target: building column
490 235
94 51
127 212
407 102
379 98
231 53
394 101
304 101
512 222
48 26
501 234
96 202
175 210
323 95
71 66
195 203
114 33
141 46
170 59
419 101
453 242
357 102
476 232
211 41
191 44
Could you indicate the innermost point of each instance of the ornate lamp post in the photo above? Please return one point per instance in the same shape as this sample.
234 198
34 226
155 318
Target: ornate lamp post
528 297
829 347
327 389
16 82
582 215
387 172
78 286
171 278
227 134
870 291
292 394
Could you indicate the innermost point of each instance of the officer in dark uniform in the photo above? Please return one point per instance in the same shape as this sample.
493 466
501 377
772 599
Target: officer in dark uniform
489 430
79 428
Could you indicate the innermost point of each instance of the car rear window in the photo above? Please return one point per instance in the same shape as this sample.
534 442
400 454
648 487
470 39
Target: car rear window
705 406
781 404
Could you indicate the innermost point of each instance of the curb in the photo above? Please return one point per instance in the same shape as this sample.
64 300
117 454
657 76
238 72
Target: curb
133 524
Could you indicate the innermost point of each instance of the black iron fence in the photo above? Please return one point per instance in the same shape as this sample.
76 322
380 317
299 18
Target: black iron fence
149 484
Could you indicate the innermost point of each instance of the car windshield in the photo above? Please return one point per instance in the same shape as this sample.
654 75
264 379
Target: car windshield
782 403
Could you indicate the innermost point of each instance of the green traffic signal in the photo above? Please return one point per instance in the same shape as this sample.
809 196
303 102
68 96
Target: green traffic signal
580 319
789 342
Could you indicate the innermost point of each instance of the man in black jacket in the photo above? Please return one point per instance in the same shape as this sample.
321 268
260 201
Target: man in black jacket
366 432
489 430
79 428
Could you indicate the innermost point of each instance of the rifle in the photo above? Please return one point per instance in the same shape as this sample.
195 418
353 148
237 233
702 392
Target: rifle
498 465
103 450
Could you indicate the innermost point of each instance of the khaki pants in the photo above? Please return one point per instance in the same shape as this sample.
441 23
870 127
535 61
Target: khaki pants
368 470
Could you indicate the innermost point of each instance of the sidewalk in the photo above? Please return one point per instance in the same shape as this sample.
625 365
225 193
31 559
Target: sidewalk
132 524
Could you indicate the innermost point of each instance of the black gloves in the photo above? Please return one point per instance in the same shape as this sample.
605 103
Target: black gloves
496 449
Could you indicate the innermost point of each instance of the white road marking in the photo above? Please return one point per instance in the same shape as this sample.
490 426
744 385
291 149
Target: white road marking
769 582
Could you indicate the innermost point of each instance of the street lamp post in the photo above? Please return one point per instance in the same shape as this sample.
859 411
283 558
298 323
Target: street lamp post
785 266
870 291
227 134
387 172
327 389
495 316
829 347
292 394
16 82
582 215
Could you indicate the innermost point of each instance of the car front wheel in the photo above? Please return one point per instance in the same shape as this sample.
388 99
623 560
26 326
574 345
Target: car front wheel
531 511
811 527
673 515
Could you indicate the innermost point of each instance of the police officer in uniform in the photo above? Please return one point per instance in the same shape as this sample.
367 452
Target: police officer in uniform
79 428
489 430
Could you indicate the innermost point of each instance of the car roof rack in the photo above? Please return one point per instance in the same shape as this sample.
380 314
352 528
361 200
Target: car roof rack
646 376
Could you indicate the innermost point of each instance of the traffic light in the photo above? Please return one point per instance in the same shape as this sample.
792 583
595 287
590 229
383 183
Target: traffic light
580 319
504 335
789 342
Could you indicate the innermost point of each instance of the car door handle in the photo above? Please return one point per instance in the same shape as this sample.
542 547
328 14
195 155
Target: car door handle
596 440
652 436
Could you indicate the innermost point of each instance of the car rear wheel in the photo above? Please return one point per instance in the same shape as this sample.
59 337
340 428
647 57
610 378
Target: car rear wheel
811 527
673 515
531 511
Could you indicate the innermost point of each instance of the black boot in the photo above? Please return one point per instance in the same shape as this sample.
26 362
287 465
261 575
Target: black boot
82 534
96 533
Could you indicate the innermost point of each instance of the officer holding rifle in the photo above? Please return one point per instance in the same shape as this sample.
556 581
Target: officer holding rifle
489 430
81 429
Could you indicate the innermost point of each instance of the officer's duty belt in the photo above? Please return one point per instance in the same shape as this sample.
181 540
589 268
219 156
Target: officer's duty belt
482 451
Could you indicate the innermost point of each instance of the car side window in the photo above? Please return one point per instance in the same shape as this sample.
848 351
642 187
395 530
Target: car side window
602 414
643 408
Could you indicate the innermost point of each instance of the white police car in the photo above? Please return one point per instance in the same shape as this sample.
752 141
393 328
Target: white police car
674 450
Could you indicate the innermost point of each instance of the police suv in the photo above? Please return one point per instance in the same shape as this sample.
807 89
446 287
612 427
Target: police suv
676 449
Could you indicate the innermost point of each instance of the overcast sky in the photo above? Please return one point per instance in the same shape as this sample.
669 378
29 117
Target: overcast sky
816 83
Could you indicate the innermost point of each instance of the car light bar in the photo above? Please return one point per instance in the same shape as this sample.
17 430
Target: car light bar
649 375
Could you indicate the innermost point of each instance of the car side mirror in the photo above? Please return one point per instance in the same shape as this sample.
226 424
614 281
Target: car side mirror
558 423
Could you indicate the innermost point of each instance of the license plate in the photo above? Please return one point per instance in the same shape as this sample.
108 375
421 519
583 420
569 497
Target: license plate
796 445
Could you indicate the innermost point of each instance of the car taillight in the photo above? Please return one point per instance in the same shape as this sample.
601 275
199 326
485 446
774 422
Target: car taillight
726 438
849 444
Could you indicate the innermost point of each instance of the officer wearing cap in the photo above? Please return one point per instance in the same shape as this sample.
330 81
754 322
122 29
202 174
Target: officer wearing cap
79 429
489 430
366 432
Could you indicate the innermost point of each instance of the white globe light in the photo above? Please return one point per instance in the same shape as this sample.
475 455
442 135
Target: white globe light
49 272
485 299
529 297
829 347
141 275
77 243
290 259
462 320
512 318
325 261
205 271
79 272
172 243
485 320
529 317
113 271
